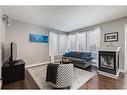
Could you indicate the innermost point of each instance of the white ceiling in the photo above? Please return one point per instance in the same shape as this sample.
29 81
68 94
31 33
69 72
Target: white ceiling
65 18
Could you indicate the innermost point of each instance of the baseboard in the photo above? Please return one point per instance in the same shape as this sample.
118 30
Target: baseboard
109 75
0 84
38 64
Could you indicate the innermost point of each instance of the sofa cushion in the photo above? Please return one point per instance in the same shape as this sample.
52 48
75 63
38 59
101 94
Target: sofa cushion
87 58
85 54
75 54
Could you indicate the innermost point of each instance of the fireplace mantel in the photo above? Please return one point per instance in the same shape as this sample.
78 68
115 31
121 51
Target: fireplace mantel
115 49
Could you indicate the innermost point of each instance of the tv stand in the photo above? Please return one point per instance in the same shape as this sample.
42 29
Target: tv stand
12 72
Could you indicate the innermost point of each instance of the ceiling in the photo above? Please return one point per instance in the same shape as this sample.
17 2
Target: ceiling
65 18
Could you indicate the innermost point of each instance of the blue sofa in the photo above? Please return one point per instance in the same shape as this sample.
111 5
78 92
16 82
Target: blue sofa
79 59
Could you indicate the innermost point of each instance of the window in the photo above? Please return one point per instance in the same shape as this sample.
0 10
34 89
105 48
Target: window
83 41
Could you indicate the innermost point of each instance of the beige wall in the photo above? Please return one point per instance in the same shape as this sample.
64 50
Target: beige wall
2 40
34 53
31 53
113 26
116 26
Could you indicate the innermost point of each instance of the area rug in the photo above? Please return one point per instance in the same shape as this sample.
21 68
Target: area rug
80 77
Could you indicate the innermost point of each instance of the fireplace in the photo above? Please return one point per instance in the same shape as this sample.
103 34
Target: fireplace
108 62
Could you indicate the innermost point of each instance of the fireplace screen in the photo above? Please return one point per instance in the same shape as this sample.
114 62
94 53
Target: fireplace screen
107 61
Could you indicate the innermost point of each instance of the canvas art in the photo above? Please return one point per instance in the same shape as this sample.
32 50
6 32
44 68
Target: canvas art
38 38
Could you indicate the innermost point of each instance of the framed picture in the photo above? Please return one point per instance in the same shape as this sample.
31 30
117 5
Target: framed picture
111 37
38 38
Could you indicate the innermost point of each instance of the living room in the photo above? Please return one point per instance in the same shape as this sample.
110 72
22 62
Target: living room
51 34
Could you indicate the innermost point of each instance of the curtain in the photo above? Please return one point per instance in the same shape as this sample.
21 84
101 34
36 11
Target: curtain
82 41
98 37
125 67
62 43
51 47
57 45
0 43
72 42
91 42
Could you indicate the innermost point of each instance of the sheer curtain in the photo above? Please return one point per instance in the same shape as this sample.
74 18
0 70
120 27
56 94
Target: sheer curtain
72 42
125 48
82 41
51 47
91 42
57 45
98 36
62 43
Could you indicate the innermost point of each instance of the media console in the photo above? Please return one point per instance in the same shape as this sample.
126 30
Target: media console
12 72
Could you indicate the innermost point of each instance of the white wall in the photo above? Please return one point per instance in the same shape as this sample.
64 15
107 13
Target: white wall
113 26
116 26
31 53
0 40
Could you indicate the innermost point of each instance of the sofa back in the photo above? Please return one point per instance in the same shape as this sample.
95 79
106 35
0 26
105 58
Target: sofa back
77 54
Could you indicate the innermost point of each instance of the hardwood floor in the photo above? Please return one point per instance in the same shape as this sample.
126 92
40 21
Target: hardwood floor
103 82
97 82
28 83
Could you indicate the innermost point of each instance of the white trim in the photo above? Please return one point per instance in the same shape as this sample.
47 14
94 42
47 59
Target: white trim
0 84
109 75
38 64
123 71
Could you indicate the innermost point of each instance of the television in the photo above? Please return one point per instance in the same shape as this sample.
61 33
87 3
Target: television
13 51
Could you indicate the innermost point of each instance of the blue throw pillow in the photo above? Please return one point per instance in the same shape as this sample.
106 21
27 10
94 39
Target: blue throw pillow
70 54
67 54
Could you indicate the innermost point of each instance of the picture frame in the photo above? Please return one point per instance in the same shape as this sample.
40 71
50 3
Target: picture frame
111 37
38 38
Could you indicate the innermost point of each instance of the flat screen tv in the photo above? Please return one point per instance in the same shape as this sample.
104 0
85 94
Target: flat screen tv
13 52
